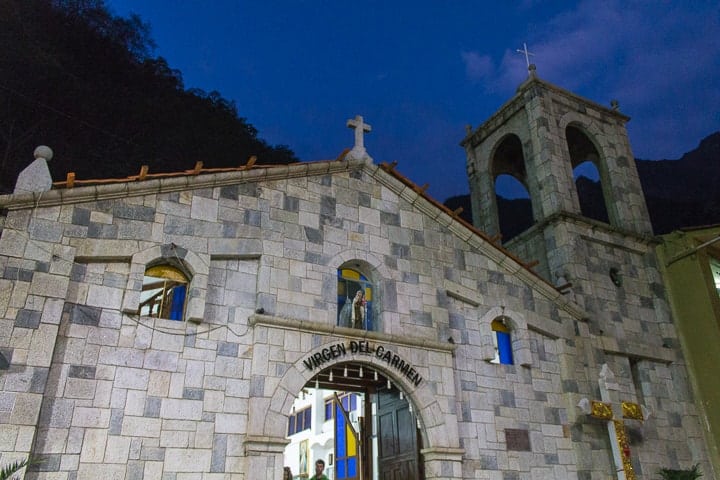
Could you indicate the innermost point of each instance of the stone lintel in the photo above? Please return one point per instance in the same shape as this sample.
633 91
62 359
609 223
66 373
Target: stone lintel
320 328
643 351
462 293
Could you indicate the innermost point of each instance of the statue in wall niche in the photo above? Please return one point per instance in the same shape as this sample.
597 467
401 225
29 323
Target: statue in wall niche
352 314
345 317
358 309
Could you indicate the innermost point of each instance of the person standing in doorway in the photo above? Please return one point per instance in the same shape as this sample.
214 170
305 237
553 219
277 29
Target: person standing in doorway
319 469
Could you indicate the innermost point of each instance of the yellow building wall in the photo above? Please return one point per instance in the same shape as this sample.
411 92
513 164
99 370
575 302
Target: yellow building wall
685 264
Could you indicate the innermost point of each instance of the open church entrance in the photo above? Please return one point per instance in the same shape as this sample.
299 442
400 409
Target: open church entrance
358 422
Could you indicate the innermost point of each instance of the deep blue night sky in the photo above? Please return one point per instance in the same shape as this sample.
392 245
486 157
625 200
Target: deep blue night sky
420 71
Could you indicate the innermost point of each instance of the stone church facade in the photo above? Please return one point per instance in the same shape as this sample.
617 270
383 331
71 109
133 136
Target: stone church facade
94 388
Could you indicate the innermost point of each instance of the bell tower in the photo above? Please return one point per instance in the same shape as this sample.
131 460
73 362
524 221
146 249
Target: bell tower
608 268
538 137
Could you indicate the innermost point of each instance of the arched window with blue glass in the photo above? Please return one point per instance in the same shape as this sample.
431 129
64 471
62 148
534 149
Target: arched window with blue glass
502 337
164 292
355 300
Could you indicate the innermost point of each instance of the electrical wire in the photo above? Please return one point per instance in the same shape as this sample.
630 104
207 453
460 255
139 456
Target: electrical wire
66 115
135 318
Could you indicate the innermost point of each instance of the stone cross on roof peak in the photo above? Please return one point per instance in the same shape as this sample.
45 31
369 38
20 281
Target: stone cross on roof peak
358 151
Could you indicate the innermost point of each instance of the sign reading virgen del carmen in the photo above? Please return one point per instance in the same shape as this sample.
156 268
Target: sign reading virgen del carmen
338 350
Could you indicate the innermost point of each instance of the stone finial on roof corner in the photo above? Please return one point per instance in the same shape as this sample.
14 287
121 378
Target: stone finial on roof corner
36 176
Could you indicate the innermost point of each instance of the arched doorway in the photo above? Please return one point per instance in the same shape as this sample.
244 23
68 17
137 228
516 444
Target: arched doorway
358 421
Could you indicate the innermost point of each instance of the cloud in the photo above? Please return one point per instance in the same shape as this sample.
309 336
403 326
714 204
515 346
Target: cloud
477 66
661 61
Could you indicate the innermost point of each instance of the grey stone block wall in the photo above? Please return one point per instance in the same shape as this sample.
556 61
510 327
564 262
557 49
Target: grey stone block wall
95 390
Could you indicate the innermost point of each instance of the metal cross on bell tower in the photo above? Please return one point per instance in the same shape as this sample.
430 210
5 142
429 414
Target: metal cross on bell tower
527 54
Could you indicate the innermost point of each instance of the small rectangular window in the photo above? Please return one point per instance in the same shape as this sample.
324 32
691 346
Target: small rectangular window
308 416
291 425
328 410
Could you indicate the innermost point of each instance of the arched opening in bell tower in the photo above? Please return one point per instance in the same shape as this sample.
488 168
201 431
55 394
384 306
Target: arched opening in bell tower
514 208
589 184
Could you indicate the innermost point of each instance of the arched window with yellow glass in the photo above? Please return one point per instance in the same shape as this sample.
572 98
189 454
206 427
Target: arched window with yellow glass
164 292
355 300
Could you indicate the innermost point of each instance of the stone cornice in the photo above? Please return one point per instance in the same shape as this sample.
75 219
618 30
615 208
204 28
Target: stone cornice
509 108
442 454
636 349
572 96
255 444
345 332
518 101
127 189
640 240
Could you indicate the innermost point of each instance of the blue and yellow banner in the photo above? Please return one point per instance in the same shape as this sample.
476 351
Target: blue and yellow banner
347 466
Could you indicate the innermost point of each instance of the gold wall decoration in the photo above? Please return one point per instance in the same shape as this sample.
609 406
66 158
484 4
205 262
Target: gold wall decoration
624 447
601 410
632 411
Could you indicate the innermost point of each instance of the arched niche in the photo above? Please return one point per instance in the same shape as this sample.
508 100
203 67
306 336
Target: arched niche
356 301
375 275
586 163
190 263
516 323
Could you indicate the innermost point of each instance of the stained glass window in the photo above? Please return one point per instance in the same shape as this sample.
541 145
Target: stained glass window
355 300
503 342
164 292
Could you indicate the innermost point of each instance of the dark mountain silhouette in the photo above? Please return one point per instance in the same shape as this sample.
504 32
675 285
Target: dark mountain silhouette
679 193
684 192
84 82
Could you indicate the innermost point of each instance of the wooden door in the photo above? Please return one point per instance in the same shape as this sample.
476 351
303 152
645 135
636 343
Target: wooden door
398 452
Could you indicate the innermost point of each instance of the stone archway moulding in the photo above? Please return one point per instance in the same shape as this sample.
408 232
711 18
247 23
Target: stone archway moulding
268 415
355 254
591 128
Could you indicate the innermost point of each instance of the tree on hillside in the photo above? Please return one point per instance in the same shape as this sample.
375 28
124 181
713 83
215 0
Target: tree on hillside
85 82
